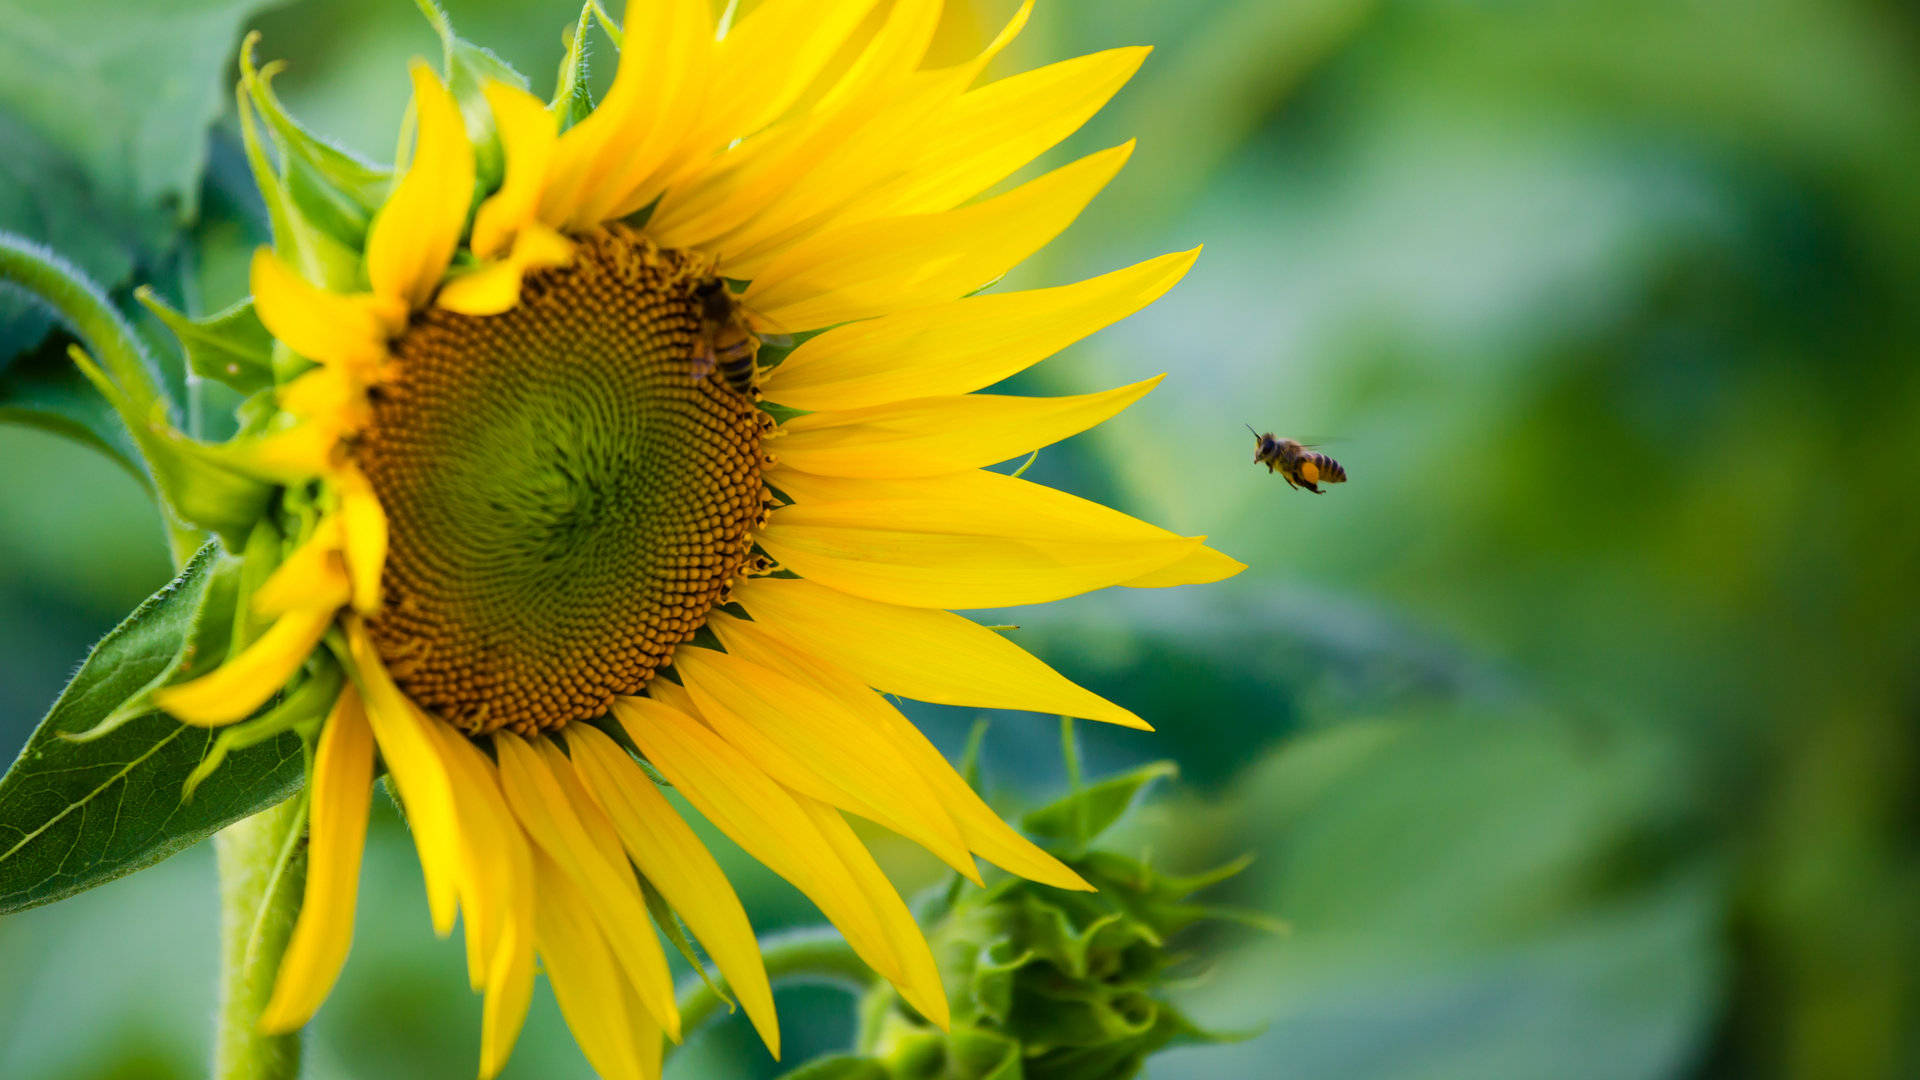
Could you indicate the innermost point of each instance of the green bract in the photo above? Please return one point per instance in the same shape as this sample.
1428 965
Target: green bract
1047 984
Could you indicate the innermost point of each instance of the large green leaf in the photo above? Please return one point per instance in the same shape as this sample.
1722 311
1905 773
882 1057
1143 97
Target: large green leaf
128 90
75 814
46 196
104 113
42 388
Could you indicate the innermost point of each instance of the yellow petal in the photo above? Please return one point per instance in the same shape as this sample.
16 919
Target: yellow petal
769 59
933 435
497 894
326 393
414 760
890 58
864 129
365 526
632 134
666 850
527 135
920 653
1201 566
313 576
801 839
872 267
757 199
495 287
340 795
509 993
649 1041
964 540
586 981
986 134
320 325
244 683
764 818
984 831
1046 510
920 981
290 456
575 838
963 345
818 747
414 235
868 130
485 864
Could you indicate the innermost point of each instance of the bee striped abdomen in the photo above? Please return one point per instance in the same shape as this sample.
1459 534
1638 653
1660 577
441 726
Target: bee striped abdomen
1329 469
738 367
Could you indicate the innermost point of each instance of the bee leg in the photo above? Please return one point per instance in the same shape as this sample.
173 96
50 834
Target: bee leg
1310 486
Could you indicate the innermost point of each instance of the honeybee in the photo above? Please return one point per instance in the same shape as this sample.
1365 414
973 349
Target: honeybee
1300 464
726 341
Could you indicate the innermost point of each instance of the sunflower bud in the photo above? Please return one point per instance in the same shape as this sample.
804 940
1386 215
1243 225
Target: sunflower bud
1048 984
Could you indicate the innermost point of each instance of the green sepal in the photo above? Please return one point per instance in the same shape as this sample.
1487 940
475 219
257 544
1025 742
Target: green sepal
78 814
669 923
781 413
310 229
197 485
1073 822
360 182
960 1054
572 99
324 204
258 560
469 68
299 712
231 346
839 1067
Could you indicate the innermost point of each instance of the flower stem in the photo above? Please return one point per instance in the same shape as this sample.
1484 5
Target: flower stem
818 955
263 870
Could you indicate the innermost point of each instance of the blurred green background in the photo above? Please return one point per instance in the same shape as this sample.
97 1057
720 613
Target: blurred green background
1576 736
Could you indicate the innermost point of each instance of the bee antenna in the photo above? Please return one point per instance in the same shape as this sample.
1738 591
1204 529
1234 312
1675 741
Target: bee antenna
1255 433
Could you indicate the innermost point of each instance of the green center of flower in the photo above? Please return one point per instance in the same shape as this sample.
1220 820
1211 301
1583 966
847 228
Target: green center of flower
569 488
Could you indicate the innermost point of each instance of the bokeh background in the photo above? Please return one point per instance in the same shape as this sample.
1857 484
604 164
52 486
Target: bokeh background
1575 737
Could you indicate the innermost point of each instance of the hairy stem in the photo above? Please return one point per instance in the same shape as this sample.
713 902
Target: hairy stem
109 338
263 869
811 955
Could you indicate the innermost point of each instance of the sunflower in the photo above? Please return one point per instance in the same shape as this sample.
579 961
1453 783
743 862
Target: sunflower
668 451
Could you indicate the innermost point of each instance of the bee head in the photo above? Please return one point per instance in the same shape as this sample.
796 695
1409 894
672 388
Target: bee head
716 301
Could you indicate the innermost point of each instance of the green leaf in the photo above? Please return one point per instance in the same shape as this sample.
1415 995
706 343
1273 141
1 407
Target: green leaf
46 196
1098 806
43 389
230 346
128 89
78 814
104 114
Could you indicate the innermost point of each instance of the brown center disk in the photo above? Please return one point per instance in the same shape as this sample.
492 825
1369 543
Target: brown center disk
568 493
